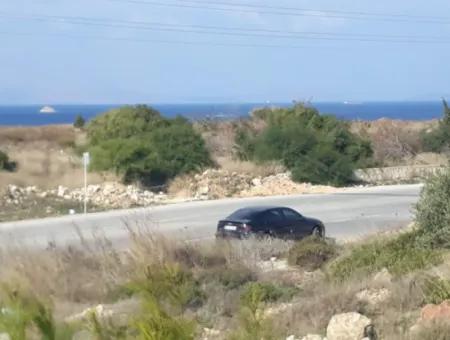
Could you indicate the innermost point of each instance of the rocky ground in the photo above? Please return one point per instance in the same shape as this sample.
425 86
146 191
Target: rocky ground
211 184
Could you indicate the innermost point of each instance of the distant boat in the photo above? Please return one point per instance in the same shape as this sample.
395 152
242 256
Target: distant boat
47 109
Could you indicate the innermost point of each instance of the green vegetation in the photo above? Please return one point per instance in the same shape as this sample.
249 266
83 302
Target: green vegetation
266 293
79 122
5 162
436 290
433 212
142 146
438 140
317 148
399 255
311 253
413 250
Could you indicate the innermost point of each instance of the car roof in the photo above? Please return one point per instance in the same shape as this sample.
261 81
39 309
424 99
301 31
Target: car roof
247 212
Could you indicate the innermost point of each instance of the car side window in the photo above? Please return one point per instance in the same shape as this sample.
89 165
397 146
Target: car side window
291 215
272 218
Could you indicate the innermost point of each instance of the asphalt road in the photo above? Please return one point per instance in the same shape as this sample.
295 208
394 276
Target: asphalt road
347 215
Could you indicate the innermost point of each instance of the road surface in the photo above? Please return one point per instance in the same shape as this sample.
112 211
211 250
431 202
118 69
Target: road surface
349 214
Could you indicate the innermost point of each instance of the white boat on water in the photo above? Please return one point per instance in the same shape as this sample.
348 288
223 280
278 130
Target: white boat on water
47 109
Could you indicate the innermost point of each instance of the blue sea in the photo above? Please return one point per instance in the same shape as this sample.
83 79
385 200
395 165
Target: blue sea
65 114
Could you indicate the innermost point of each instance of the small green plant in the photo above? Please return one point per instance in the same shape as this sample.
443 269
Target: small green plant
79 122
231 277
266 292
436 290
253 324
311 253
22 314
5 163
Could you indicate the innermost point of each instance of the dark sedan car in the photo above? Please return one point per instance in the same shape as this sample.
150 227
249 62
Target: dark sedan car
278 222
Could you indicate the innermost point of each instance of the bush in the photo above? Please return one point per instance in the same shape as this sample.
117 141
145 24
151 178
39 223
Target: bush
399 255
311 253
438 140
436 290
265 293
433 212
316 148
5 163
148 148
79 122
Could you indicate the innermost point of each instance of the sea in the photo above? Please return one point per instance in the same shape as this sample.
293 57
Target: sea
30 115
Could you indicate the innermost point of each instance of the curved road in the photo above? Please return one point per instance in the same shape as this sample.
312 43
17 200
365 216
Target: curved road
349 214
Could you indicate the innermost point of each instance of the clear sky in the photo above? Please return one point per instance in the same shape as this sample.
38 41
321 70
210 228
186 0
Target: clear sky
46 58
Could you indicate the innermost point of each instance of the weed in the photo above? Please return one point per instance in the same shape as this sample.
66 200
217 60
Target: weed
311 253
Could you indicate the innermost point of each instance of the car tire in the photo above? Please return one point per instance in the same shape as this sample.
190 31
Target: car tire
317 232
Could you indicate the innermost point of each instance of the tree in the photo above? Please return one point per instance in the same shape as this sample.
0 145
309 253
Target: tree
5 163
316 148
79 122
144 147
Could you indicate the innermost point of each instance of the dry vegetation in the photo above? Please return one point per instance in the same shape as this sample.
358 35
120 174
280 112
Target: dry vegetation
397 142
45 156
214 286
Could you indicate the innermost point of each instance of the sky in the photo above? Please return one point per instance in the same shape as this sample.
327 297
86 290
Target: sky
90 51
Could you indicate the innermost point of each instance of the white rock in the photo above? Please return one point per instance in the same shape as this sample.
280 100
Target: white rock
347 326
99 311
256 182
62 191
383 276
313 337
374 296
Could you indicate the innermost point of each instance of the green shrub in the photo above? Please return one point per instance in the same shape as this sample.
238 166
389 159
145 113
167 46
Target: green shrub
399 255
433 212
438 140
231 277
140 145
311 253
124 122
169 285
5 163
260 292
316 148
79 122
436 290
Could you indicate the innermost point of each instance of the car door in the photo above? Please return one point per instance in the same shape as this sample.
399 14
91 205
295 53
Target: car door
296 225
273 221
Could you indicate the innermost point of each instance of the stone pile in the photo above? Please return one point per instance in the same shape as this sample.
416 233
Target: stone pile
108 195
215 184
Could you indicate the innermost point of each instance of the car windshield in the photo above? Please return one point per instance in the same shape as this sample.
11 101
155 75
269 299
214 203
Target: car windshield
242 214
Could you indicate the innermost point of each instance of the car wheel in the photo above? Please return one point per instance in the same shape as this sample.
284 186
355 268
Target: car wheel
317 232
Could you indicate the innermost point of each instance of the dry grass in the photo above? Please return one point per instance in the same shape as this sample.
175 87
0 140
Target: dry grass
395 142
44 157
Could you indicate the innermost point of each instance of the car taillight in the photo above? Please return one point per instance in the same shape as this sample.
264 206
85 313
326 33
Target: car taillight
247 227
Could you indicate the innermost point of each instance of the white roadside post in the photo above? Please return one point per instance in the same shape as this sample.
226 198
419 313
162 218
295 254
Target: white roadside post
86 161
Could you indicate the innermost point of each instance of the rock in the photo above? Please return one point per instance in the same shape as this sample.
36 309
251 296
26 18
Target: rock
256 182
62 191
210 333
435 312
383 277
99 311
374 296
313 337
83 335
348 326
292 337
4 336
